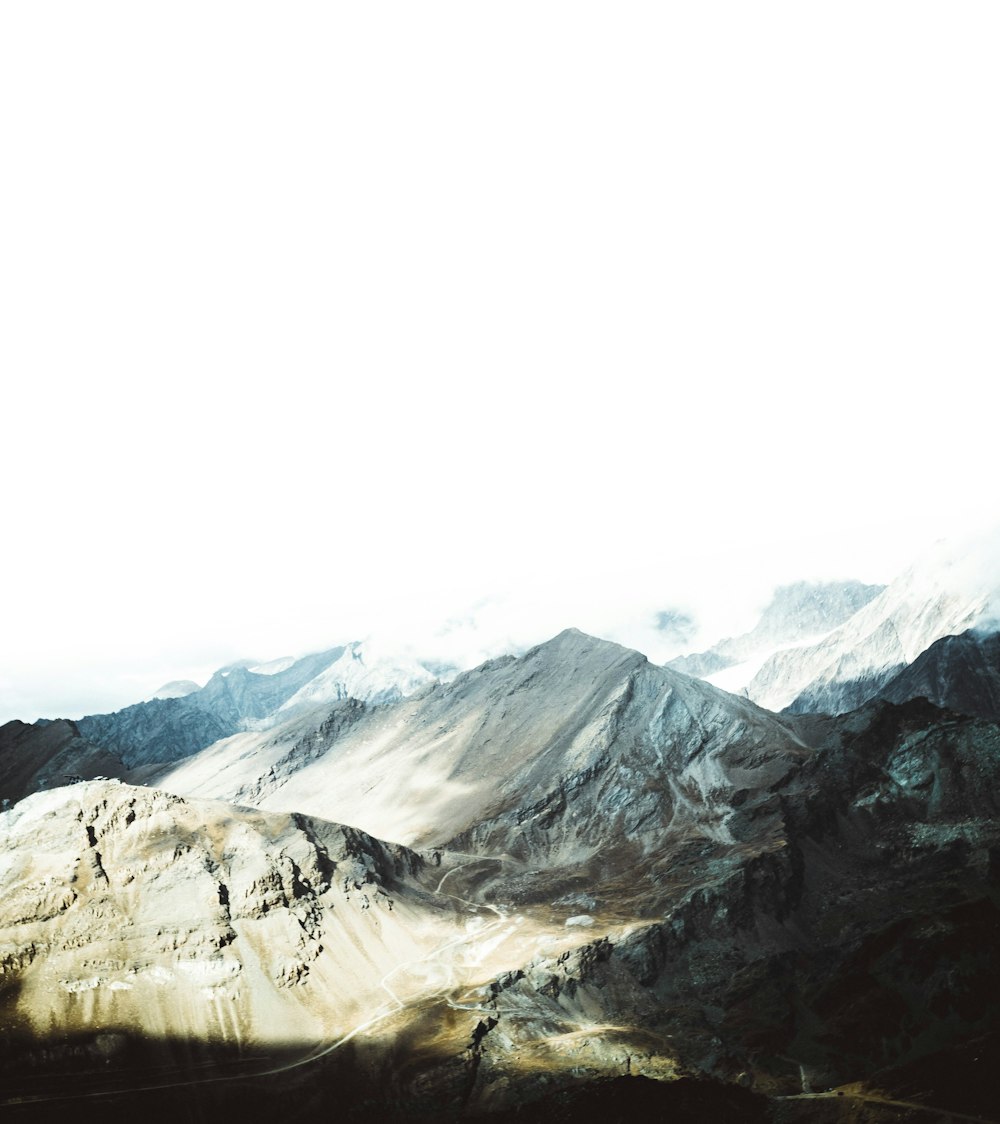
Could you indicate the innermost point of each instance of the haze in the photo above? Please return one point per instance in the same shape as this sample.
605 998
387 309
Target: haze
461 324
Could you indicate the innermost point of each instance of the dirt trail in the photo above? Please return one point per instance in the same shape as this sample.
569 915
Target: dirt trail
944 1116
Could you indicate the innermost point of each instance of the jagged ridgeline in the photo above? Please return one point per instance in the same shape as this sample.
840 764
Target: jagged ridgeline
559 881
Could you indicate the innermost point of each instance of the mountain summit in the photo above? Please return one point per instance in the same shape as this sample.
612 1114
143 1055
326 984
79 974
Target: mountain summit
537 753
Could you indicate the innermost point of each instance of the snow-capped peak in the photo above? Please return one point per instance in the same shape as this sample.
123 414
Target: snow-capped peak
363 672
273 667
175 689
953 587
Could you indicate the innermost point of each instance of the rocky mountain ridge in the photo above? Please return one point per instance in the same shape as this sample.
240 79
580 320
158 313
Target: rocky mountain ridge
487 762
596 866
949 591
959 673
48 755
859 940
844 923
182 718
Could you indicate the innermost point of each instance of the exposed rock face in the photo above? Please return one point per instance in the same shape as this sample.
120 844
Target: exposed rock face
166 729
548 755
958 672
126 907
47 755
627 871
863 938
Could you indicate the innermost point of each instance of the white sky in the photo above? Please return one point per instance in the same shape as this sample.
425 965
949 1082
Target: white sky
327 318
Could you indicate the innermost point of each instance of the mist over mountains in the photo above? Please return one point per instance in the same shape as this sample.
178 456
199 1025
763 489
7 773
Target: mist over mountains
398 888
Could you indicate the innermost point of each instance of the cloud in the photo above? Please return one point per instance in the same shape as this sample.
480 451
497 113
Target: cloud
484 352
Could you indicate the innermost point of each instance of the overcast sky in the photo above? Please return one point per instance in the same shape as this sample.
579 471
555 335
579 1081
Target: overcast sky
323 319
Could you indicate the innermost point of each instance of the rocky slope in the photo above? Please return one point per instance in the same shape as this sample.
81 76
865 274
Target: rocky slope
150 944
802 902
545 755
620 870
130 909
958 672
242 697
845 928
862 939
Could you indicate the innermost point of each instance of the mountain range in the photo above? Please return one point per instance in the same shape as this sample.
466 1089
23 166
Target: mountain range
378 888
830 648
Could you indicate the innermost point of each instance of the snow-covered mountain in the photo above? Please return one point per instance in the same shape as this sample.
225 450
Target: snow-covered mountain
796 614
246 695
361 672
831 647
948 591
175 689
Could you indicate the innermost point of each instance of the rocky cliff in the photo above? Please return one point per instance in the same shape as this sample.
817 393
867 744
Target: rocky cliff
48 755
958 672
621 870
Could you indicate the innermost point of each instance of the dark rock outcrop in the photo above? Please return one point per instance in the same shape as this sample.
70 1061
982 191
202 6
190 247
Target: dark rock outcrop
48 755
958 672
165 730
863 937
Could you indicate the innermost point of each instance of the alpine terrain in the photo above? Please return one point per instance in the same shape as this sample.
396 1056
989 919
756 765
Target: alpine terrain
567 884
851 658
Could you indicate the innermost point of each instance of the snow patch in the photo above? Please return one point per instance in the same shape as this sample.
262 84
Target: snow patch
75 987
39 805
363 673
175 689
273 667
209 973
159 975
734 679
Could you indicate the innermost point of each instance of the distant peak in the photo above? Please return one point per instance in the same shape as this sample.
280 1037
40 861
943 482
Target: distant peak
176 689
